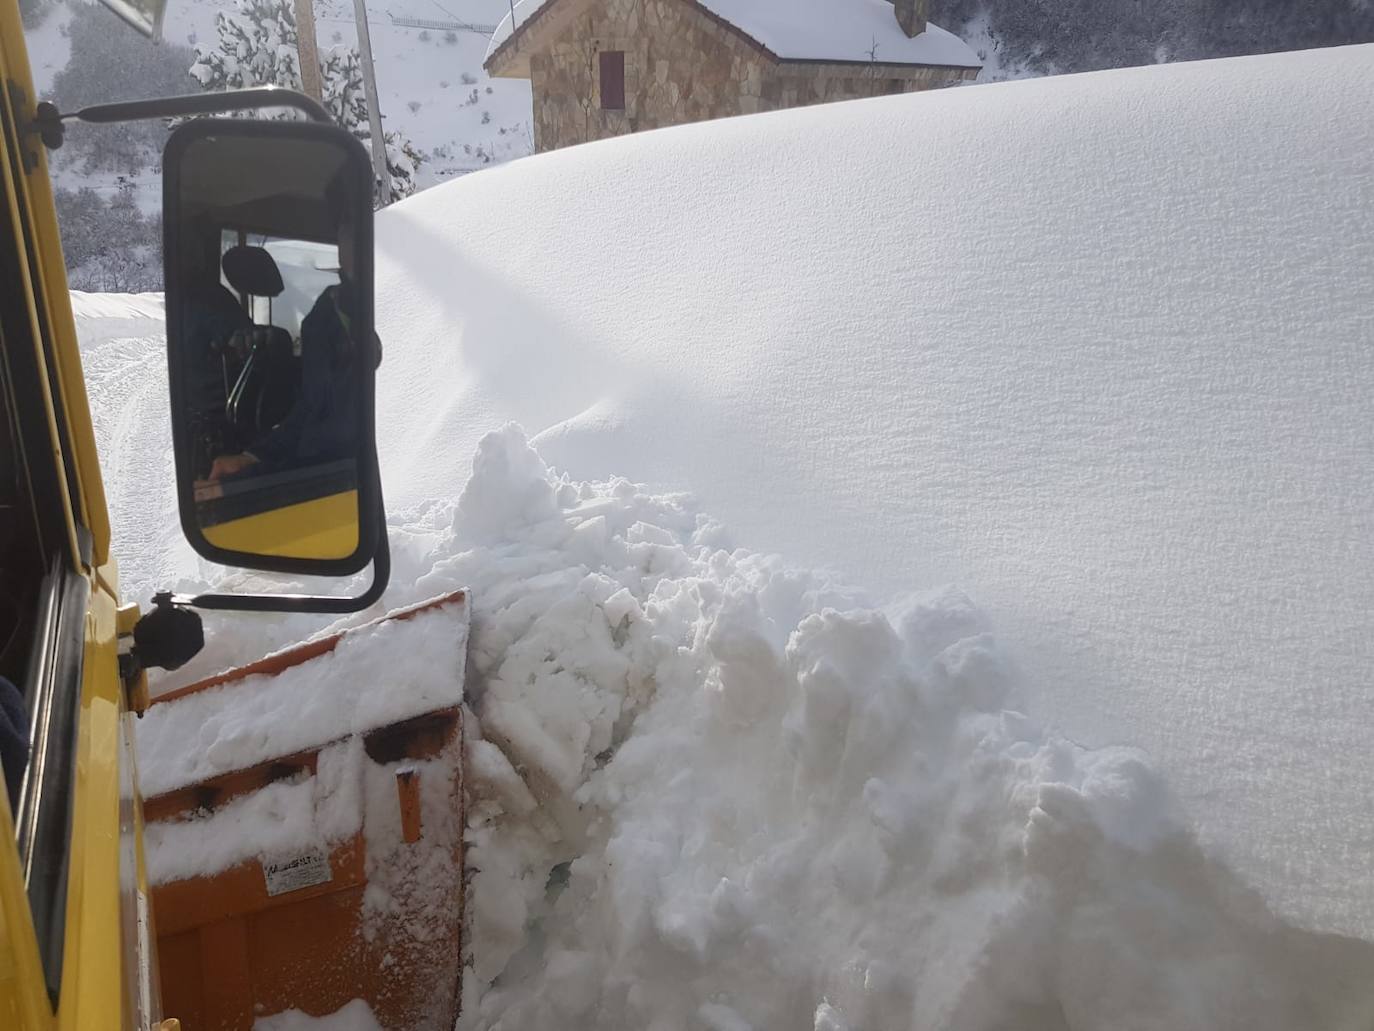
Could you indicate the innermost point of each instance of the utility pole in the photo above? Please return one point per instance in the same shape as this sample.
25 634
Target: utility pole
306 50
374 111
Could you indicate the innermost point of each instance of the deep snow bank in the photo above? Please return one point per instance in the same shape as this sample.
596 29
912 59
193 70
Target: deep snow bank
1094 347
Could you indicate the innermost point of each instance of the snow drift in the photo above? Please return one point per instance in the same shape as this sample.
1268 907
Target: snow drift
1095 348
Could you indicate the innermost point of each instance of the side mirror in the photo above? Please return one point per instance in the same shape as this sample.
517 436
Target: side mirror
270 344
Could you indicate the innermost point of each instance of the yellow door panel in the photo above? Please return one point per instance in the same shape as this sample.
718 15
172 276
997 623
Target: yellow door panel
321 528
28 191
92 976
23 1001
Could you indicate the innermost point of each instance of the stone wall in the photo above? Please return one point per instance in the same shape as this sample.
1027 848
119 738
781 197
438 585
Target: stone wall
682 65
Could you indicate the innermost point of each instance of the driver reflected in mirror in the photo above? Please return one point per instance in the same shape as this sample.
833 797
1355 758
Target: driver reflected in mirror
271 348
320 425
275 373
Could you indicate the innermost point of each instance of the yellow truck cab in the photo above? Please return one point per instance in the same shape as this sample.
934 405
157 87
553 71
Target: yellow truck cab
295 490
75 931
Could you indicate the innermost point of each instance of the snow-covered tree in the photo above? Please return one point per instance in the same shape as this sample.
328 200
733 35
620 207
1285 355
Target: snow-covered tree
344 96
33 12
109 245
346 101
256 46
402 162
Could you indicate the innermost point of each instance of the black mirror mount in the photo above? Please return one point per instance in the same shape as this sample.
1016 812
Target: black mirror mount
49 122
328 604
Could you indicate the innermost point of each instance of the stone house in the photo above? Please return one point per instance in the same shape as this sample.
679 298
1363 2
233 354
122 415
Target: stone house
602 68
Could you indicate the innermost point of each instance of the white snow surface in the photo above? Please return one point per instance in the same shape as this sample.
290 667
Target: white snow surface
1112 384
1096 348
90 308
813 30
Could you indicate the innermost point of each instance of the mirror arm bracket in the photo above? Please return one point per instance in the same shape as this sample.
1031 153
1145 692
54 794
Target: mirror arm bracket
381 576
48 121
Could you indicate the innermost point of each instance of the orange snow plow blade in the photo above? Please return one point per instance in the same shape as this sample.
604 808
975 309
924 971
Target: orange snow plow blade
314 928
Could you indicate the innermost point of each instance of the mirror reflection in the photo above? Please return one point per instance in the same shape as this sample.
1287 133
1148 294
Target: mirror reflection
272 354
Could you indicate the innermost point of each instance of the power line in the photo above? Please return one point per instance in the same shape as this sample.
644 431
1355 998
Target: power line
441 26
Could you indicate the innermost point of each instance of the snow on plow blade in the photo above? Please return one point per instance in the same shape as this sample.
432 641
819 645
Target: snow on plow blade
304 829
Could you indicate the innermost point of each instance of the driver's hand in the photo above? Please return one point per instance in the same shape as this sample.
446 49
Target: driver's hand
228 465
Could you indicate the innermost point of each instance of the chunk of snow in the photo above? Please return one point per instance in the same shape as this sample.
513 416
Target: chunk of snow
308 814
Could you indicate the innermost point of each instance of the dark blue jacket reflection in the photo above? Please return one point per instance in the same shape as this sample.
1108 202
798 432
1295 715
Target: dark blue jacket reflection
322 424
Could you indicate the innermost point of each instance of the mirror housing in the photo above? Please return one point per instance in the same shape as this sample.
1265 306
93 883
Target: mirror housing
271 349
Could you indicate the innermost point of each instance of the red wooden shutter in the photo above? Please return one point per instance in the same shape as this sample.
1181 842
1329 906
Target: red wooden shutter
613 80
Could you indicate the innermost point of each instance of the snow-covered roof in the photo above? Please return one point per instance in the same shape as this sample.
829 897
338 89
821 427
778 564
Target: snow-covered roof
811 30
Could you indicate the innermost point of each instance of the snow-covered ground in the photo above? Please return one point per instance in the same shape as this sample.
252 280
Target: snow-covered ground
1095 350
48 47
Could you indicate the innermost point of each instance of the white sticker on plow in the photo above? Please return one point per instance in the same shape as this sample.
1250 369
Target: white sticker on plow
303 871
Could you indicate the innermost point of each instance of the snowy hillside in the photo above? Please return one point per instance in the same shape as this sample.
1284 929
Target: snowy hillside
431 82
1112 384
